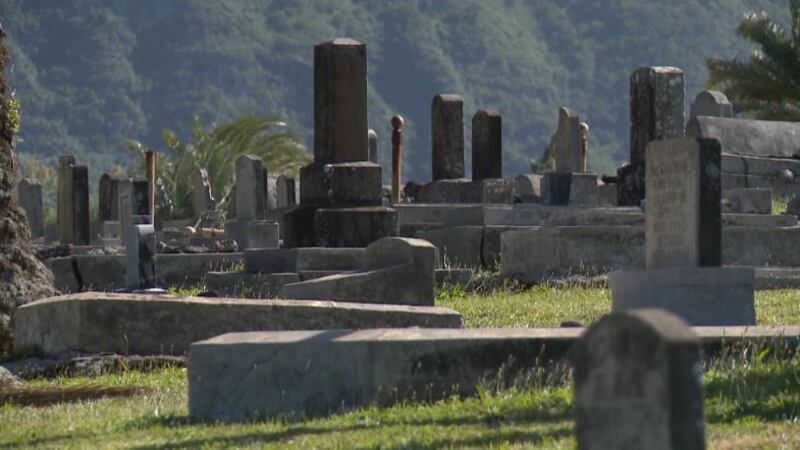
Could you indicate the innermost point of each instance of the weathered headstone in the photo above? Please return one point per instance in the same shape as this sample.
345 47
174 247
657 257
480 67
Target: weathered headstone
80 205
64 208
340 101
250 189
711 103
397 157
29 194
683 225
683 221
656 113
487 145
447 136
125 208
638 384
569 153
108 208
584 146
372 138
202 199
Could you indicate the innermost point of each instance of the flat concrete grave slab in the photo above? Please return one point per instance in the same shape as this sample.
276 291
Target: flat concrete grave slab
96 322
242 375
248 285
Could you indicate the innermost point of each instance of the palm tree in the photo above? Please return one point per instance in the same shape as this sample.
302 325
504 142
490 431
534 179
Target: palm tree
767 84
216 151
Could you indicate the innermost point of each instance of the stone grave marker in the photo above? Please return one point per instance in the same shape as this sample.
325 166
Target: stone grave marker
447 136
29 195
372 138
64 200
140 198
286 191
108 207
250 189
711 103
638 384
140 248
202 199
487 145
569 153
683 241
80 205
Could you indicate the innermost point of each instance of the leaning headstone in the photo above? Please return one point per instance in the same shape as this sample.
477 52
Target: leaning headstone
487 145
711 103
447 136
64 201
202 199
638 384
29 194
80 205
683 236
656 113
372 138
569 153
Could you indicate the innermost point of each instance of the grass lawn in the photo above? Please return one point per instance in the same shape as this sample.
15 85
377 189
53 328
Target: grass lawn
752 399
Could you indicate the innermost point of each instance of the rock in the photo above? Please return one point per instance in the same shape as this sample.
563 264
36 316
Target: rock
7 378
23 277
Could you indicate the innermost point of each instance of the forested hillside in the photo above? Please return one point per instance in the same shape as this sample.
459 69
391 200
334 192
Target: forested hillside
91 73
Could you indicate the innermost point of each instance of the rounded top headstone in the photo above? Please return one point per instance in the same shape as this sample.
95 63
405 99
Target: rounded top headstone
448 98
712 96
341 42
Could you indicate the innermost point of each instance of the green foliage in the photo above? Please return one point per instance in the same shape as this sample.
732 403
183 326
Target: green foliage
216 150
91 73
767 84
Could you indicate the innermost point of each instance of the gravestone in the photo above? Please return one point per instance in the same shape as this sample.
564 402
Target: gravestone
656 113
250 189
80 205
125 208
64 209
638 384
683 237
372 138
286 192
569 153
683 221
447 136
140 248
29 195
140 198
529 187
487 145
341 189
711 103
108 207
202 199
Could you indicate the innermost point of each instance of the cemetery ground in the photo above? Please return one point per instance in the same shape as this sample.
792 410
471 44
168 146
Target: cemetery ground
752 395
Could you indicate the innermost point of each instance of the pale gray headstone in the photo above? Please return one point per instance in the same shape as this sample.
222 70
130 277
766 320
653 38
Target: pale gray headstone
711 103
683 216
250 188
202 199
372 137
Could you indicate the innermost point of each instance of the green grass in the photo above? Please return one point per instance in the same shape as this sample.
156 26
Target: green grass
752 398
752 401
549 306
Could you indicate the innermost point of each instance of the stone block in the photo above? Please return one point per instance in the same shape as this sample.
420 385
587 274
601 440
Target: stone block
251 202
245 376
248 285
344 184
607 195
95 322
747 201
396 270
29 197
303 259
354 227
447 137
563 188
638 384
253 233
529 188
487 145
569 156
749 137
467 191
707 296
